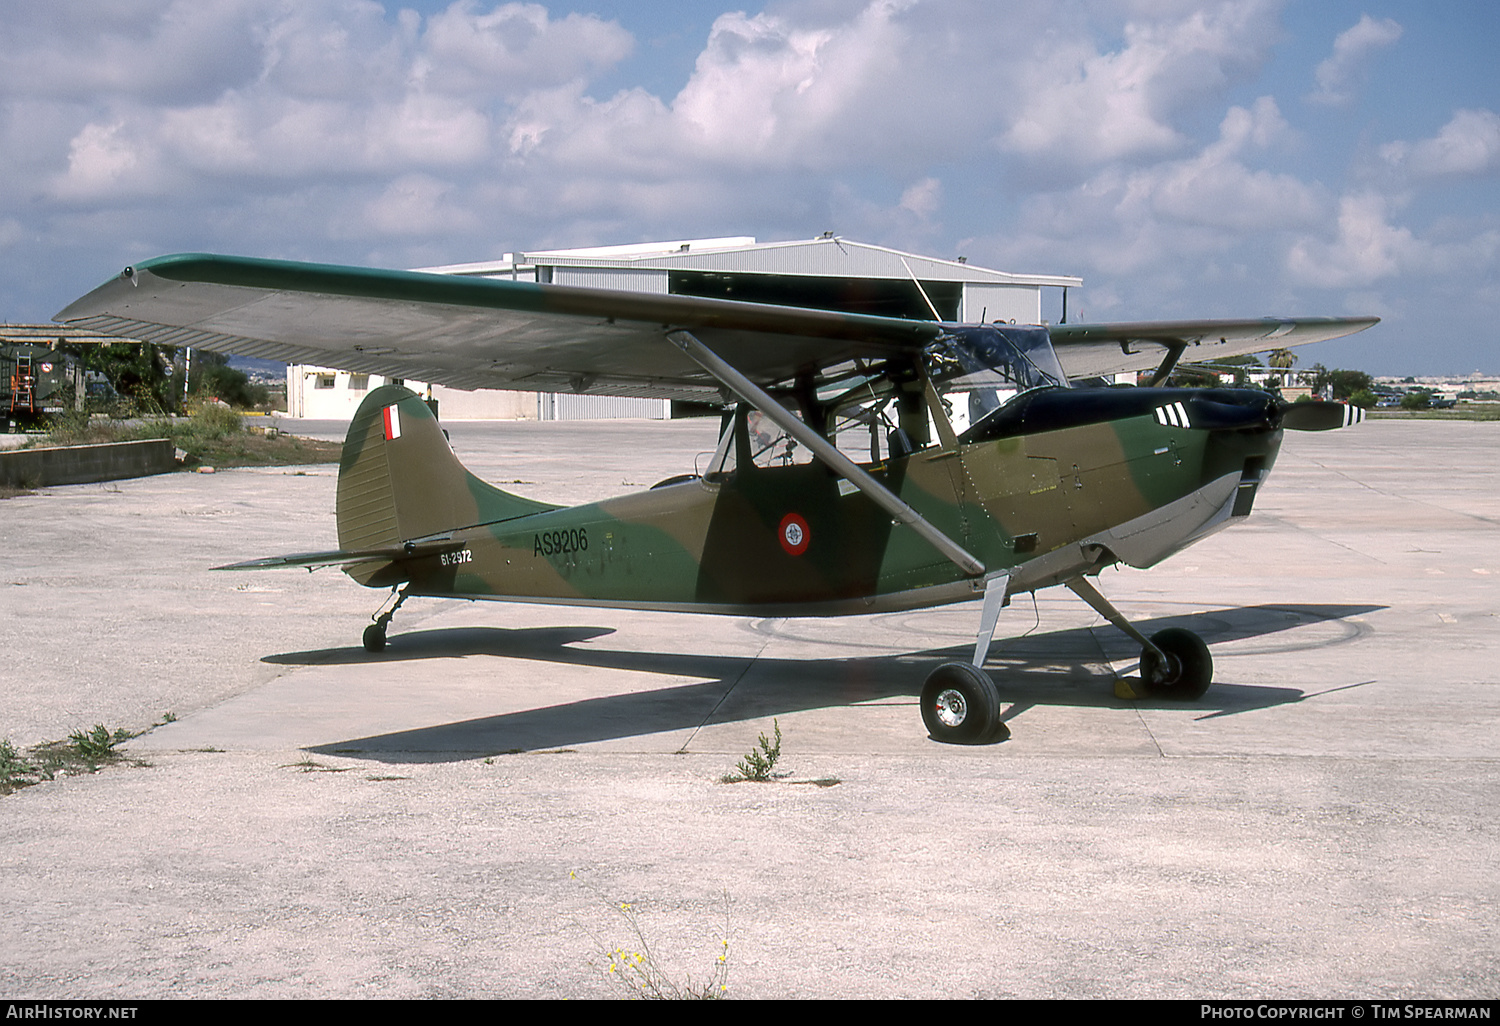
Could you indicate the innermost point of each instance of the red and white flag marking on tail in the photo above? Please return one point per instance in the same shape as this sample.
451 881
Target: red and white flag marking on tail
392 423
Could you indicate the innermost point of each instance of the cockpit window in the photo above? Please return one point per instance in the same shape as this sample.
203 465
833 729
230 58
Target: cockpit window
977 369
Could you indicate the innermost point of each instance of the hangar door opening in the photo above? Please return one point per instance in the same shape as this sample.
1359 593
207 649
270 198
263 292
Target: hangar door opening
886 297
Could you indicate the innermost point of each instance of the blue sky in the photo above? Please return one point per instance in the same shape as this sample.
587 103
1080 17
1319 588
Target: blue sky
1186 158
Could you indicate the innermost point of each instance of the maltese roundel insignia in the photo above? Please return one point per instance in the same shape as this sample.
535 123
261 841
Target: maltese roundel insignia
794 534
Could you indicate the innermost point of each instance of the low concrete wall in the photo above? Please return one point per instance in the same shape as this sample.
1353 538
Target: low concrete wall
79 464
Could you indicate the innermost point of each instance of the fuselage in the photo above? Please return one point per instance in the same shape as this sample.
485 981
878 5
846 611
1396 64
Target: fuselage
1056 484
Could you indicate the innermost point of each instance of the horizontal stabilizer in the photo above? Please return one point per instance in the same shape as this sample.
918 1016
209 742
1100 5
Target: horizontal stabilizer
346 557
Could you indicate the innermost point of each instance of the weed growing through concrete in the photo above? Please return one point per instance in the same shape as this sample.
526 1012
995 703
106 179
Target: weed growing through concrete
310 766
636 969
760 761
83 752
14 770
98 744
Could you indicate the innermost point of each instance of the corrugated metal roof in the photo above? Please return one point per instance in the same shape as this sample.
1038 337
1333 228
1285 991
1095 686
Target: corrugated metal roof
827 256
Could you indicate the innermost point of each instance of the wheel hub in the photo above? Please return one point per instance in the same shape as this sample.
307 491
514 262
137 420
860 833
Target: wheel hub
951 708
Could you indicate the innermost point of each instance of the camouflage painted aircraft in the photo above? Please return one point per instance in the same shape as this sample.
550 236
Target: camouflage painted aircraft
865 463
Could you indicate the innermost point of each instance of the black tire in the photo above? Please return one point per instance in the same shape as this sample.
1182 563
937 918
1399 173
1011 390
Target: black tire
1189 669
374 638
961 706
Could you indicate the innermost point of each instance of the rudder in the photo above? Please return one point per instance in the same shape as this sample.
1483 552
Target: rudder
399 480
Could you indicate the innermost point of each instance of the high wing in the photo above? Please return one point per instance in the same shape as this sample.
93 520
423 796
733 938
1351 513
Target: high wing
1086 350
474 332
488 333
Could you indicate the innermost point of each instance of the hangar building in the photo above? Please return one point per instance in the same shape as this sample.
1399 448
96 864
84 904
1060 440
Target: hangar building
826 273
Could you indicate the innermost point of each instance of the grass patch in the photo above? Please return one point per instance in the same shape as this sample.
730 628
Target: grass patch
85 751
1481 412
215 436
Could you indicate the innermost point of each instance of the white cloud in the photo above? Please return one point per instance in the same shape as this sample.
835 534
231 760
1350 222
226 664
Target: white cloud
1083 106
1468 145
1160 218
1343 71
79 50
412 205
104 161
515 48
320 90
766 89
923 198
1367 248
1216 189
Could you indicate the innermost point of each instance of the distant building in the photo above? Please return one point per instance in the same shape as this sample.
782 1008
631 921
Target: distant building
825 273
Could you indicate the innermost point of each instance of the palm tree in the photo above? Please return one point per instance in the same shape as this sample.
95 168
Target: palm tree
1282 359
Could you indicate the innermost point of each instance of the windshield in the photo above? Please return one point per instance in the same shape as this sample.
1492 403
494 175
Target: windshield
979 368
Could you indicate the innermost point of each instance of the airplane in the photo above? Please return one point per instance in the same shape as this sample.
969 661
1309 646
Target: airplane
865 463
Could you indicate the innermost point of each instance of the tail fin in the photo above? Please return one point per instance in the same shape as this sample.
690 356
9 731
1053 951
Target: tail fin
399 480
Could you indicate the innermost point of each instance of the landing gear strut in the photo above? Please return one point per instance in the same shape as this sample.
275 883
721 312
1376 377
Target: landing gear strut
1175 663
374 638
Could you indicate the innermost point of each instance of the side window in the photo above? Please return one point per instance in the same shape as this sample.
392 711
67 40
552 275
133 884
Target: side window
772 447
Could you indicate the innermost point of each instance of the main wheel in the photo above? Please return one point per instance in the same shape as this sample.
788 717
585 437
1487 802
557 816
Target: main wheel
374 638
961 706
1188 670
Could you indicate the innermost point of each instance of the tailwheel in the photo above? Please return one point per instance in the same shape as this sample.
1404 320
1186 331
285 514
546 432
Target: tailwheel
375 638
961 706
1187 671
375 633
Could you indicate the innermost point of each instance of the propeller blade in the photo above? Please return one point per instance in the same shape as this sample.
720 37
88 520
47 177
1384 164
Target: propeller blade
1316 416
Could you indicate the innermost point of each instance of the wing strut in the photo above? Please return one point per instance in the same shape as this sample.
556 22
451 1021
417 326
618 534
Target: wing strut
824 450
1168 362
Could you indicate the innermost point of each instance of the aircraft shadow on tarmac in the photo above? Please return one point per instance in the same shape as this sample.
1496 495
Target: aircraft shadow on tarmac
1064 667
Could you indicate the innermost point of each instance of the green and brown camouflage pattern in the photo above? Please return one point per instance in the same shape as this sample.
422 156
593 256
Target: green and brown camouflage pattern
1038 505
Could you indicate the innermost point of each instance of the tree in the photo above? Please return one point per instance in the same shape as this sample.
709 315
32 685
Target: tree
139 371
212 377
1346 382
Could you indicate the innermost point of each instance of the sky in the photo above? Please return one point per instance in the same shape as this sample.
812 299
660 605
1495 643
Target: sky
1186 158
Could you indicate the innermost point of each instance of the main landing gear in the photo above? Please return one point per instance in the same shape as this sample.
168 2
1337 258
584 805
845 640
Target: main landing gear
374 638
961 705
